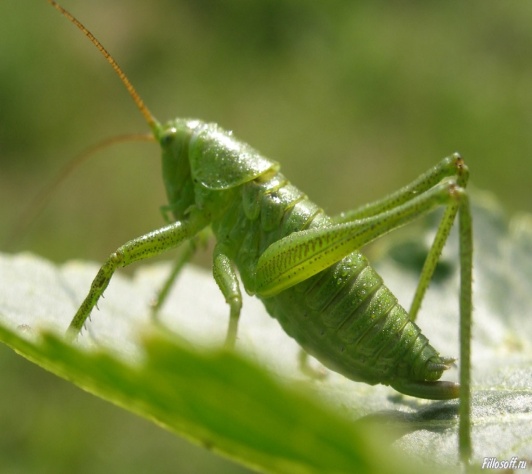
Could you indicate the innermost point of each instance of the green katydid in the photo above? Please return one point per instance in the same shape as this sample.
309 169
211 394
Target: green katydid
304 265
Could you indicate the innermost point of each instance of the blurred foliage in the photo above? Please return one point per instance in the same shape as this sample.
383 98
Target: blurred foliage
51 426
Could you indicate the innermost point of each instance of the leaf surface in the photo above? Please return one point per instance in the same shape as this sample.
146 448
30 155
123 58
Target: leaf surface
254 405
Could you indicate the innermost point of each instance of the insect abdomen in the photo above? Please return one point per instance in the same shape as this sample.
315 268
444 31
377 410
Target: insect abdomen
344 315
349 320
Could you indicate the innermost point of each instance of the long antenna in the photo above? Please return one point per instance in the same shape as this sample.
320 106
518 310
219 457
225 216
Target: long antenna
41 200
152 122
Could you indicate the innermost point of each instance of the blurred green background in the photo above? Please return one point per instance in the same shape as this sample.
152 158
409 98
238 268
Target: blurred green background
354 99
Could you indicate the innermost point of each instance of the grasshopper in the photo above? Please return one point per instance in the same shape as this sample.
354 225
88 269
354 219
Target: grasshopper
305 266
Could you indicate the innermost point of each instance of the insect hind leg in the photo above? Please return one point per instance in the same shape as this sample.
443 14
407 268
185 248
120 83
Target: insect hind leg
442 234
452 166
448 167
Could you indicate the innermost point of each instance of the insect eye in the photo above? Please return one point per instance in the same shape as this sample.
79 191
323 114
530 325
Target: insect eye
168 137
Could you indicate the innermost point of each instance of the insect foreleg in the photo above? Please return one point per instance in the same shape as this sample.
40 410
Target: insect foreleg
227 280
145 246
304 254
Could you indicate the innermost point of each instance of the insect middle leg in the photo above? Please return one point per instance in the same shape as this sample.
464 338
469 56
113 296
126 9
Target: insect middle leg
182 259
225 275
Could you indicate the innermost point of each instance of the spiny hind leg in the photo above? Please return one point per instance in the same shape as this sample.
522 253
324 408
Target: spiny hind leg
460 206
465 232
303 254
450 166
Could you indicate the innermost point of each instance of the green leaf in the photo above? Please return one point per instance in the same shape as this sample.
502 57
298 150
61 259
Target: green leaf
215 398
254 405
